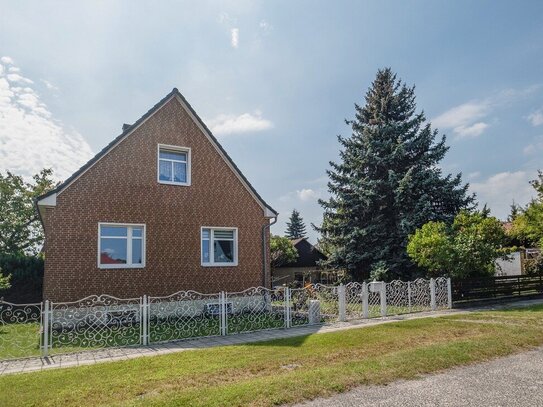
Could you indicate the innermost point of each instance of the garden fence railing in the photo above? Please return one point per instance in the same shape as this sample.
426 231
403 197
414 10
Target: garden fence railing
103 321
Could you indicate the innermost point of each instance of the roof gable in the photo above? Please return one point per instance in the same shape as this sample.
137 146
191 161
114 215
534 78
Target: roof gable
49 199
308 255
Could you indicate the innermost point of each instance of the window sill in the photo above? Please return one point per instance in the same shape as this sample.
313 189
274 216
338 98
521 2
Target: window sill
121 267
179 184
219 264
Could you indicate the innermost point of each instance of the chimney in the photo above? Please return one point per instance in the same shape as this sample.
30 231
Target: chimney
126 127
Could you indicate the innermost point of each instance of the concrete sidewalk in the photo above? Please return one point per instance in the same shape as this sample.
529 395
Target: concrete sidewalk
113 354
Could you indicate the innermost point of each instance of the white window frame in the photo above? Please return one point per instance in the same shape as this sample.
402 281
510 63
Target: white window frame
129 264
212 262
174 149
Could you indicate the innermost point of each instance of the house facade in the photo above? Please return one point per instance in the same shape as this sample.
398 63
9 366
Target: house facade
162 208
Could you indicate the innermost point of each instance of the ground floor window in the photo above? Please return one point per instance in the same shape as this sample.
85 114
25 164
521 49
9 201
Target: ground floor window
219 246
121 245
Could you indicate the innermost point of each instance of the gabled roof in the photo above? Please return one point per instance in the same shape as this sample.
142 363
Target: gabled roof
308 255
296 241
49 199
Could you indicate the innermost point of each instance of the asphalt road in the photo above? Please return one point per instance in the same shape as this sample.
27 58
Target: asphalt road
513 381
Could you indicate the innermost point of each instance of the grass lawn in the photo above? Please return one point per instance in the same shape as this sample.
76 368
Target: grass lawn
19 340
287 370
23 340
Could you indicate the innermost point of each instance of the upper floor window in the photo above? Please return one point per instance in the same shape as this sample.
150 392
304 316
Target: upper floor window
219 246
173 165
121 246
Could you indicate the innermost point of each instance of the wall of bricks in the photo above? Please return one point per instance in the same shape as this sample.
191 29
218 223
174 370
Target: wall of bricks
122 187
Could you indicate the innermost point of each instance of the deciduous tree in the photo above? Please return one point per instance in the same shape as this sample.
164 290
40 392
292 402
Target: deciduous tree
20 228
282 251
467 248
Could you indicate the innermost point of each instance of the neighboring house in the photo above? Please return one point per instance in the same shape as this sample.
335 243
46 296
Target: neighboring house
162 208
515 265
305 269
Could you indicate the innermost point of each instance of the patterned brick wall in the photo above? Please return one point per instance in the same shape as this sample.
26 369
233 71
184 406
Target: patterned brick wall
122 187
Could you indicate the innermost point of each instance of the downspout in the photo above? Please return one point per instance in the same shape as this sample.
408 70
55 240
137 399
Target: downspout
265 251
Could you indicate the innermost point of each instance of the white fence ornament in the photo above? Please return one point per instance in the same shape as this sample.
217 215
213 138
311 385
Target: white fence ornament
29 330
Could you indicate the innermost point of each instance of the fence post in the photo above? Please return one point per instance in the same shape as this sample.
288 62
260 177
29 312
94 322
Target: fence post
222 310
383 293
449 293
433 294
45 328
409 295
342 303
287 307
365 309
144 321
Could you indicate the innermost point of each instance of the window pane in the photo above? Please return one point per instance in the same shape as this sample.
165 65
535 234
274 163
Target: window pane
137 232
205 233
165 170
173 155
113 231
223 250
223 234
205 251
137 257
113 251
180 172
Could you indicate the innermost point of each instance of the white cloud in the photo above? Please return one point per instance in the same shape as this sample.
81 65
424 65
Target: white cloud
534 147
473 175
6 60
49 85
234 37
473 130
536 118
500 190
224 125
464 119
30 138
15 77
304 195
265 26
307 194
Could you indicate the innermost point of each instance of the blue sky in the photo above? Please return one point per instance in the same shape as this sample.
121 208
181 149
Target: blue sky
275 81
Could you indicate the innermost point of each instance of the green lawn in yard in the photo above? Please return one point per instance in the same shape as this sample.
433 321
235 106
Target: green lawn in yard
19 340
286 370
23 340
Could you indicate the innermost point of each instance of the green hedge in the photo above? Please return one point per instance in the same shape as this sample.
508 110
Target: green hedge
26 278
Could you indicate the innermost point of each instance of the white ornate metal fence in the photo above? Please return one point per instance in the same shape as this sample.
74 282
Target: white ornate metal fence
94 322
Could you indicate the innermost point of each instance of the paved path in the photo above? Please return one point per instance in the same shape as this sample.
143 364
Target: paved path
112 354
512 381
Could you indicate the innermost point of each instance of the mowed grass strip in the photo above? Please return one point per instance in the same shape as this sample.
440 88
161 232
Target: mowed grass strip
283 371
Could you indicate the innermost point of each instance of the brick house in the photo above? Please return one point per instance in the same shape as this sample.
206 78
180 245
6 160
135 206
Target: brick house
162 208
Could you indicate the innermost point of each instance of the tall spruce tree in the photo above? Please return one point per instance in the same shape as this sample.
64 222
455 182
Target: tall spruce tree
295 226
387 183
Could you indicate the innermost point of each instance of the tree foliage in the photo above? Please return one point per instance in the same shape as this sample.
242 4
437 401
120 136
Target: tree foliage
295 226
20 228
467 248
387 183
5 281
26 277
527 222
282 251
